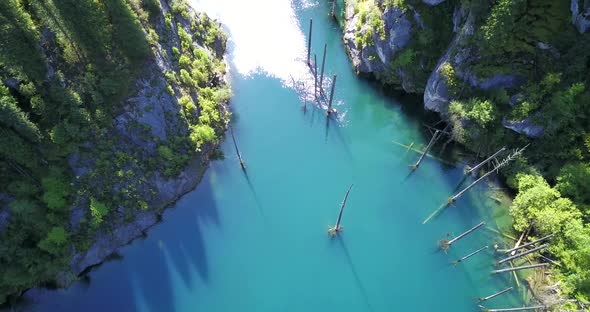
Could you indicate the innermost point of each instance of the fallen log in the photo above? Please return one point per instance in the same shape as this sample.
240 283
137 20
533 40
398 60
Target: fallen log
522 254
446 244
531 243
471 254
524 267
496 294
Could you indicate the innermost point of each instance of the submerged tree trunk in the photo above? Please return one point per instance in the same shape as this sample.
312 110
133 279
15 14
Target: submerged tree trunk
496 294
532 266
446 244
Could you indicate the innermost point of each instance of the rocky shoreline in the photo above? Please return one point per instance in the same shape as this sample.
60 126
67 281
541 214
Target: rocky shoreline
393 37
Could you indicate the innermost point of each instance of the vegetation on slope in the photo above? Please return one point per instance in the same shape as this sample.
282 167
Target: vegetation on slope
536 41
65 69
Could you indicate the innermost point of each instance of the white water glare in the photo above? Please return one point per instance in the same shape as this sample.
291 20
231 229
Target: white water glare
265 36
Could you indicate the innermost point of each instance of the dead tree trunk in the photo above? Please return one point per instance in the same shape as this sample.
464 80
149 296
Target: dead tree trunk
331 96
446 244
532 266
516 309
485 161
242 164
315 76
525 233
430 144
496 168
337 228
322 71
496 294
531 243
471 254
522 254
552 262
309 40
334 9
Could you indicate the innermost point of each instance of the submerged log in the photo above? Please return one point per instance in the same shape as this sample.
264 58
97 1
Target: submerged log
531 243
428 147
471 254
516 309
522 254
242 164
518 268
446 244
496 294
333 231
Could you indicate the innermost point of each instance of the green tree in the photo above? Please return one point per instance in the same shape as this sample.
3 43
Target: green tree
13 117
98 210
55 241
56 190
540 205
573 181
127 32
18 42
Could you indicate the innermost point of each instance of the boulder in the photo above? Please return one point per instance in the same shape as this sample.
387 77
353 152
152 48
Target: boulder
580 17
524 126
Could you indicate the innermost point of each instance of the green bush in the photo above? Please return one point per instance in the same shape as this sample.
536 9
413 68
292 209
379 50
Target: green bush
55 241
98 211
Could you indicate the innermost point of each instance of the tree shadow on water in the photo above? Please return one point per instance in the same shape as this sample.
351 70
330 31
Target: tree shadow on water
361 287
176 252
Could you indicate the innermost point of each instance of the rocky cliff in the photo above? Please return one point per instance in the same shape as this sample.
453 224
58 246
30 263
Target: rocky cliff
135 155
404 41
151 117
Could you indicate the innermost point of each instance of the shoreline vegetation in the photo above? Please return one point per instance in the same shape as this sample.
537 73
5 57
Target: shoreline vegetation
500 73
109 111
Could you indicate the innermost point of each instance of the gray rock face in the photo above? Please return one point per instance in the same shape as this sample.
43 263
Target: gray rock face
583 21
150 115
436 93
459 15
524 126
375 58
433 2
580 17
501 81
575 9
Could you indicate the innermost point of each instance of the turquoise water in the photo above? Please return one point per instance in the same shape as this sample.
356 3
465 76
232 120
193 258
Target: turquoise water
259 242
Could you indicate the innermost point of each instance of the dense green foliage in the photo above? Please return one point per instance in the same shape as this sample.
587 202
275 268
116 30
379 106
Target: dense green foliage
66 67
535 42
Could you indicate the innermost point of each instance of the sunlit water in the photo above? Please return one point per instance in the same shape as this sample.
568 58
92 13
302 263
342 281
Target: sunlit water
259 242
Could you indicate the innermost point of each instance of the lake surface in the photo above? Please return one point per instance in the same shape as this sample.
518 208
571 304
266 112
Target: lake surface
259 242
